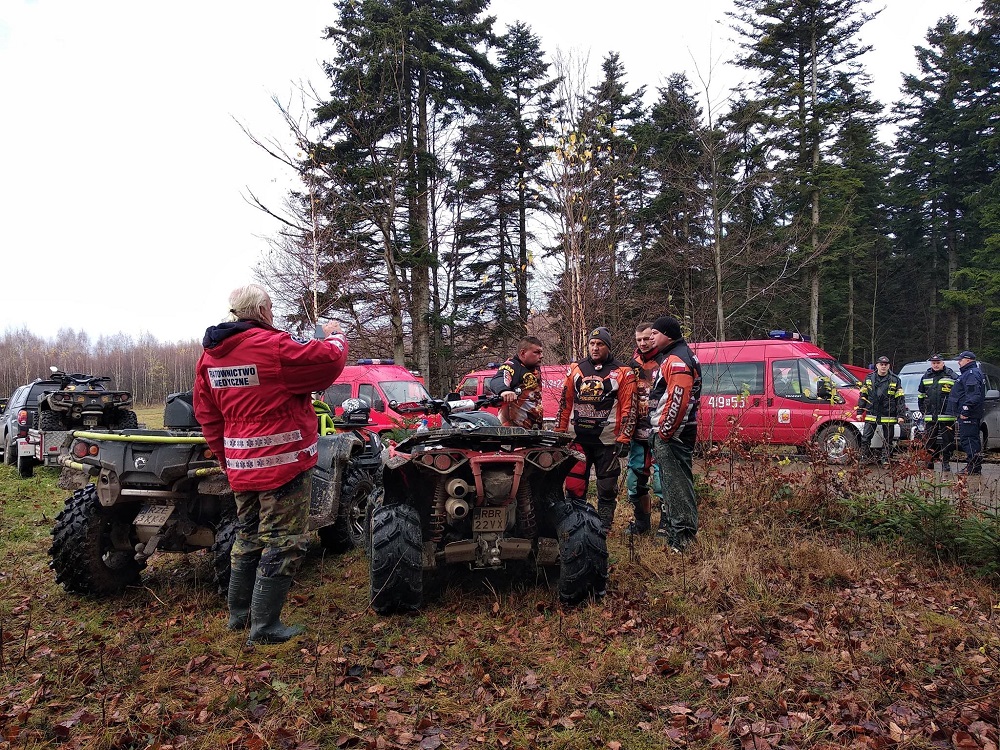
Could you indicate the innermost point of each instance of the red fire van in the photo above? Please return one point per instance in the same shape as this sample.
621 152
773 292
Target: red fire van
380 382
782 390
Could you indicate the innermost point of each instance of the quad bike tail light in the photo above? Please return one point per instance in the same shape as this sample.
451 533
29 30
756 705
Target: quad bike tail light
82 449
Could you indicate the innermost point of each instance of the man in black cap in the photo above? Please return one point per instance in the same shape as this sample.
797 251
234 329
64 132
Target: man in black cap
933 391
882 404
674 395
966 403
599 398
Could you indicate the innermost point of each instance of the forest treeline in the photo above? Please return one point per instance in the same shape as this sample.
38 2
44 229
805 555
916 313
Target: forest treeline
143 366
459 188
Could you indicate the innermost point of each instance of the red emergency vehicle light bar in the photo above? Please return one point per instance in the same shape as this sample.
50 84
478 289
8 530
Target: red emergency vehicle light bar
788 336
376 361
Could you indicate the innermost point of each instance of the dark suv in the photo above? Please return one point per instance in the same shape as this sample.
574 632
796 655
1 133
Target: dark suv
21 415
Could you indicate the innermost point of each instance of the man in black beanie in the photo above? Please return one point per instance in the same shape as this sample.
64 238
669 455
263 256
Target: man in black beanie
673 411
599 399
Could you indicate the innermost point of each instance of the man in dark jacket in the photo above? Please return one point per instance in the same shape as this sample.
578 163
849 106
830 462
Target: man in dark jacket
966 403
674 398
253 398
882 404
519 383
599 402
933 391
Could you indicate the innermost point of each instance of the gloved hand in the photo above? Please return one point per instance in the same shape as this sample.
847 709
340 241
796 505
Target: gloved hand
623 449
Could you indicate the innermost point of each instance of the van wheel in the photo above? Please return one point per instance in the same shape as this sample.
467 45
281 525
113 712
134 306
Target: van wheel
837 442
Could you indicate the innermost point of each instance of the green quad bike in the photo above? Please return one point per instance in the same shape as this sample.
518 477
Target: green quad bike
163 491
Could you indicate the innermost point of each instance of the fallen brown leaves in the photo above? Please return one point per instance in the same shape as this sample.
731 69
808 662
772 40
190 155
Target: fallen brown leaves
769 633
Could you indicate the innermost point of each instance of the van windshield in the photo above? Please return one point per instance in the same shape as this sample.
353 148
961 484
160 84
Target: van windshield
838 374
403 391
911 382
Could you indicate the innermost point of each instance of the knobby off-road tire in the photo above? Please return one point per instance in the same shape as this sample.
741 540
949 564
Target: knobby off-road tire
221 551
348 531
127 420
83 557
837 443
583 555
396 570
51 420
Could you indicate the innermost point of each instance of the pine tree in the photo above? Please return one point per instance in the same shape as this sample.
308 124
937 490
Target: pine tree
501 156
801 50
936 166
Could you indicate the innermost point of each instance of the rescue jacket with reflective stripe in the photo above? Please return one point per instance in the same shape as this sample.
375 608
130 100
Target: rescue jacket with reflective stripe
881 398
932 394
253 397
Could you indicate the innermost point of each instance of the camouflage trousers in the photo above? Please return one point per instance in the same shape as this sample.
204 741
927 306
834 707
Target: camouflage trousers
272 524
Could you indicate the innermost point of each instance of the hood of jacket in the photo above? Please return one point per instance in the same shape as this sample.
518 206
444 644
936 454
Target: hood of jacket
215 335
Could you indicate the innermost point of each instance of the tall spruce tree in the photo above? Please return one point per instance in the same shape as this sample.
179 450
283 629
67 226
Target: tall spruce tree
800 50
935 176
501 155
402 67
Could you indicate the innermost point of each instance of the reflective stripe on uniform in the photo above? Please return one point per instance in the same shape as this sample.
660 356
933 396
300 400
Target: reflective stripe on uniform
263 441
265 462
883 420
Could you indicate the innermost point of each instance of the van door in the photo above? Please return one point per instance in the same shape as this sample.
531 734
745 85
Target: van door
732 398
798 399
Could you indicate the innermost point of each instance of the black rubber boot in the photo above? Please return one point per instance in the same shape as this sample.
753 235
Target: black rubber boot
643 510
265 612
241 579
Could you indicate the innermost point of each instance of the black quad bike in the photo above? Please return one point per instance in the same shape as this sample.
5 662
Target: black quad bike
479 494
84 401
163 490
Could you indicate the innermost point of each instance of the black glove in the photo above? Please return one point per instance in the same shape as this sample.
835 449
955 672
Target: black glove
623 449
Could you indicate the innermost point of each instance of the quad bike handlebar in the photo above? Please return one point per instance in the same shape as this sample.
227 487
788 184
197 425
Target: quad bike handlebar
76 378
451 404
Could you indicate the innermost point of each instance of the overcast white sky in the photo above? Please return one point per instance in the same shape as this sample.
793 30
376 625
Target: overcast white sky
120 143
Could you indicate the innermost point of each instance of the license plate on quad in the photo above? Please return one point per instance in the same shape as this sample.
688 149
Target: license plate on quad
488 520
154 515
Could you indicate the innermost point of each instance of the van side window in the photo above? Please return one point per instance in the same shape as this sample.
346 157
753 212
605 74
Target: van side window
337 394
470 387
732 378
367 392
786 378
797 378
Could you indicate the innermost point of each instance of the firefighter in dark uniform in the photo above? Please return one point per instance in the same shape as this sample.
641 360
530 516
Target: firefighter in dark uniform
519 383
599 400
933 391
966 402
882 404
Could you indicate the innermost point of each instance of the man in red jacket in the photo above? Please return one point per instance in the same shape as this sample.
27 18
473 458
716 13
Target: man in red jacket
252 396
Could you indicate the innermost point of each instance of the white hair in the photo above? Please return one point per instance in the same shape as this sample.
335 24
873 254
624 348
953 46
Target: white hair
245 303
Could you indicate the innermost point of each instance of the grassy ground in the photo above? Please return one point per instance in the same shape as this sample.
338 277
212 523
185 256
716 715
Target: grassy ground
772 631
